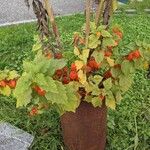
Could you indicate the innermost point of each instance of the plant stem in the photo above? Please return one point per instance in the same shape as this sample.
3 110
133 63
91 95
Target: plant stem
49 9
99 12
88 7
106 14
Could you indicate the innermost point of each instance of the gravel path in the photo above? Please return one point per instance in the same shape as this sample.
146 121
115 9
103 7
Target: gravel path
15 10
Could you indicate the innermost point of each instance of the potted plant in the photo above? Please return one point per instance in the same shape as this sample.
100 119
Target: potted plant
80 89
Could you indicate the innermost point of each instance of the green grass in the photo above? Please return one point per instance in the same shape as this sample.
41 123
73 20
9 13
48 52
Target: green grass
135 4
128 126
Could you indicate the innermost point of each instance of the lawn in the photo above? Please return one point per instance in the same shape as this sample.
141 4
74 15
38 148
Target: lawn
128 126
138 5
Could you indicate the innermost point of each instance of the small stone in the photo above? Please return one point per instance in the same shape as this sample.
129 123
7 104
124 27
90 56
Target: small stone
13 138
130 11
147 10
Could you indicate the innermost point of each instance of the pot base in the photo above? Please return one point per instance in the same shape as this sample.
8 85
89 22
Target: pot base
85 129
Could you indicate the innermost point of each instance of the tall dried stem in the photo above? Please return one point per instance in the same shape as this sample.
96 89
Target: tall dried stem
88 8
99 12
106 15
49 9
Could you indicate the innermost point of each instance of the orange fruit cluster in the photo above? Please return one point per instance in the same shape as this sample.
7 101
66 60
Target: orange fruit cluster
92 65
58 56
34 111
118 32
133 55
107 74
107 53
39 90
73 73
62 75
10 83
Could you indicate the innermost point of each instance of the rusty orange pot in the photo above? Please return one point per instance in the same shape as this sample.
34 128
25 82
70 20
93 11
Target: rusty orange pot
85 129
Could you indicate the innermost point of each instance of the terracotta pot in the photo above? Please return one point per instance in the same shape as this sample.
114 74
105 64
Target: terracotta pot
85 129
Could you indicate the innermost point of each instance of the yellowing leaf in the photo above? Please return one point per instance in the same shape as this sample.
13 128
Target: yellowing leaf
96 79
99 56
125 82
82 77
127 67
146 65
85 55
6 91
88 87
79 64
36 47
106 33
108 42
111 103
108 84
12 75
118 96
76 51
114 5
88 98
96 91
3 75
110 61
96 101
93 41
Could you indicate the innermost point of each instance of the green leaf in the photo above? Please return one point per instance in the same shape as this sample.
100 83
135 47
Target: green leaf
60 97
127 67
45 82
43 64
118 96
85 55
114 5
110 100
3 75
111 103
6 91
99 56
125 82
110 61
56 64
23 90
88 99
100 28
65 99
96 79
30 67
37 46
96 102
139 64
23 83
108 84
93 41
12 75
93 27
115 72
108 42
105 33
96 91
73 100
24 99
76 51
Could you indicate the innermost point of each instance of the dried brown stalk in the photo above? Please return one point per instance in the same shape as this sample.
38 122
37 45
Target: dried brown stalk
107 10
49 9
42 19
99 12
88 8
